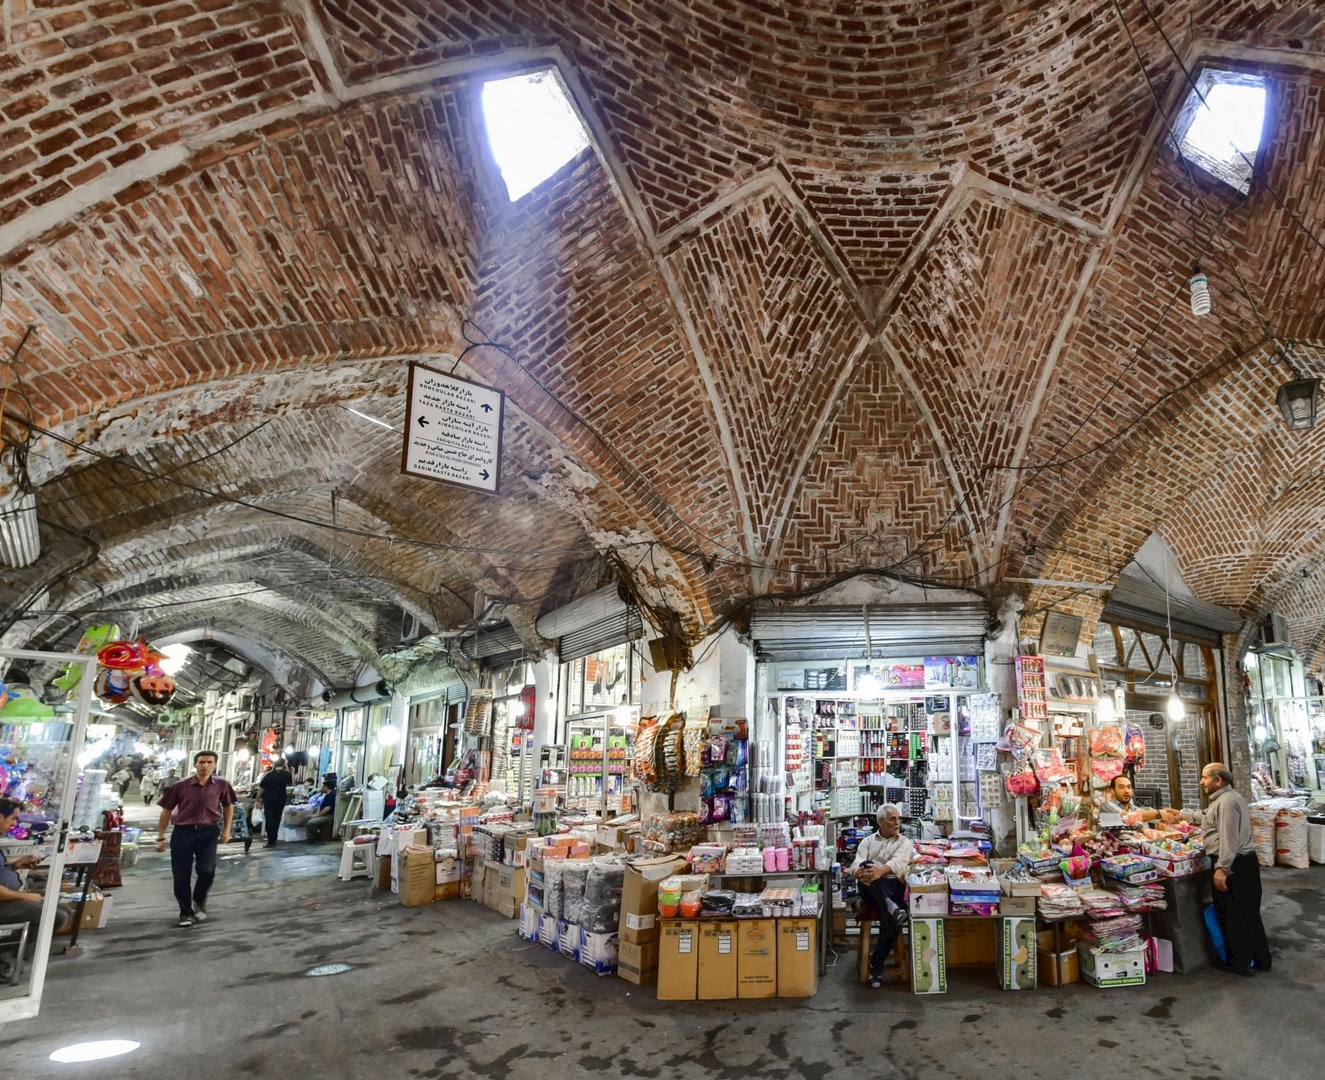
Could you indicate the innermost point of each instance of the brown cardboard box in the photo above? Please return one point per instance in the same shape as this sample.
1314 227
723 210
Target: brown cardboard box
757 958
508 906
678 960
638 964
798 958
717 960
449 890
639 897
418 878
1056 969
970 942
382 877
510 884
491 885
96 912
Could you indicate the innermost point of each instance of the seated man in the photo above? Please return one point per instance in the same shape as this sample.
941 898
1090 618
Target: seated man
880 867
1119 801
17 905
320 808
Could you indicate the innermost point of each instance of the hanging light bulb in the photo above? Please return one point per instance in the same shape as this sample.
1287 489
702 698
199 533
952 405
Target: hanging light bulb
1104 709
1174 707
1200 287
1260 733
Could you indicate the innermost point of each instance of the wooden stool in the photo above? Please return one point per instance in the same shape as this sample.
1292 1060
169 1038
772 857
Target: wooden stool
863 950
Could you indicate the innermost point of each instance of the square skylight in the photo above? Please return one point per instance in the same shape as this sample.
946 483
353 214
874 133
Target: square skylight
1223 133
532 128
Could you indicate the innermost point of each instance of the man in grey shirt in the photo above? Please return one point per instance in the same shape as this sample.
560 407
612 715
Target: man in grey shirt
1236 875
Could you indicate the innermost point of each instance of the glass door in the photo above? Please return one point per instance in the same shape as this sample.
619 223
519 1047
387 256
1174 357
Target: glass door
39 774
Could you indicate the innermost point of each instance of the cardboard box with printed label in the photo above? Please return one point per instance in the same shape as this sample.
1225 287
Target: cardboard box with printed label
448 891
639 897
929 969
1112 969
638 964
757 958
599 952
510 883
929 903
548 933
717 960
798 958
569 939
678 960
529 919
1016 953
418 878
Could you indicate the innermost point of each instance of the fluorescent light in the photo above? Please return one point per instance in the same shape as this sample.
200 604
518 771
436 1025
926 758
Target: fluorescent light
176 656
532 128
370 419
94 1051
389 735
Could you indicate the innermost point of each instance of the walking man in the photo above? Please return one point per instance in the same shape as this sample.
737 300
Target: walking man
880 868
203 806
1235 874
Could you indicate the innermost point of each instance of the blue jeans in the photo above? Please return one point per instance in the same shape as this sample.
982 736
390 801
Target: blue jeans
187 844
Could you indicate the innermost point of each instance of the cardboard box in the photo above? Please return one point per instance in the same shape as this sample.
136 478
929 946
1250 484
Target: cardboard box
507 906
638 964
96 913
678 959
418 878
599 952
1020 906
1016 953
529 919
510 883
798 958
929 903
382 874
548 932
717 960
1057 969
1112 969
447 891
569 939
1316 843
970 942
757 958
929 968
639 897
612 837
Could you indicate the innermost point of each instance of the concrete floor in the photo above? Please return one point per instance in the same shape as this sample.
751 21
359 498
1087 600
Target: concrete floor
449 991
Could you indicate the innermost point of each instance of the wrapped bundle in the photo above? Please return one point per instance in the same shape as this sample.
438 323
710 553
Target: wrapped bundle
601 910
1262 832
574 878
1291 837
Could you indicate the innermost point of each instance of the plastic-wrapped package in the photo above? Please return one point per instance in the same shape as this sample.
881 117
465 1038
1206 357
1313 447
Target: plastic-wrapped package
748 906
601 910
1262 831
718 902
574 879
554 887
1291 837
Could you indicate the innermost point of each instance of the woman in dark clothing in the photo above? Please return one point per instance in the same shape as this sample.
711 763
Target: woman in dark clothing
273 786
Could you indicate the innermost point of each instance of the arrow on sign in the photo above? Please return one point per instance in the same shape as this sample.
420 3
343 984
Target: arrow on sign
483 474
423 421
486 407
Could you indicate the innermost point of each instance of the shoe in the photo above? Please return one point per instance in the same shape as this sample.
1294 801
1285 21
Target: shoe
902 917
185 920
199 913
1233 969
876 981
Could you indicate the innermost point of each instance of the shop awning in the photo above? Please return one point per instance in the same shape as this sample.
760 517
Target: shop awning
833 633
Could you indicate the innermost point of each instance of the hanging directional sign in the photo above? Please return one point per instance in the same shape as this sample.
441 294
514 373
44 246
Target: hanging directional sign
452 430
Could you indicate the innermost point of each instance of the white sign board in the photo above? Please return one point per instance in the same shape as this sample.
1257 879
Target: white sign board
452 430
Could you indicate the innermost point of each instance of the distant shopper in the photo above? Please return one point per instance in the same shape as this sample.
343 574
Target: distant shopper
203 807
1235 874
171 777
121 778
326 813
880 868
274 788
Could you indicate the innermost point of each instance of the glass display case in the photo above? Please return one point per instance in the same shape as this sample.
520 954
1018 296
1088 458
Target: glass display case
597 763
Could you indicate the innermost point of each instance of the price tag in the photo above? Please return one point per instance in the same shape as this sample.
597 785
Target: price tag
724 944
684 941
802 941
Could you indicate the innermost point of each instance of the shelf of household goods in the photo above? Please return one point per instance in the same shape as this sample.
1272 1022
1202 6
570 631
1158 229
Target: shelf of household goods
825 916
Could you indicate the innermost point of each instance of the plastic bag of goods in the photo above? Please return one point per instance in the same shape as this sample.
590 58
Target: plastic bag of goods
1262 832
601 910
574 879
1291 837
554 880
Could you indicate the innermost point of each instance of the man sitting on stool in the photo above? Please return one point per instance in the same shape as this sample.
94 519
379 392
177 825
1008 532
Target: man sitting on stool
321 809
16 904
880 868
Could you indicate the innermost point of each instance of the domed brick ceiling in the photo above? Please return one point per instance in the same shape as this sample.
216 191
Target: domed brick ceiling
836 286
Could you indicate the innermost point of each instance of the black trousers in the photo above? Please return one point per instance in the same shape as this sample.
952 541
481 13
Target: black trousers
271 813
190 844
875 894
1239 911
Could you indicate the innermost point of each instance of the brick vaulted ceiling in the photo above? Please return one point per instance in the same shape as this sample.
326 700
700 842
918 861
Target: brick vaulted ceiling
838 285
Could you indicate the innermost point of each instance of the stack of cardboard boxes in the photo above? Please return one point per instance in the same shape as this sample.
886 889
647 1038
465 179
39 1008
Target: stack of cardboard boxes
597 952
639 931
721 959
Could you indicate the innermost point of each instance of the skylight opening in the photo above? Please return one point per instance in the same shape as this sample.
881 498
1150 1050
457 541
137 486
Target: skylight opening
532 128
1223 133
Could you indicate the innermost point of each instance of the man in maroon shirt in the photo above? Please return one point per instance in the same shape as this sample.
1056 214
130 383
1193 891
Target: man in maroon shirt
203 806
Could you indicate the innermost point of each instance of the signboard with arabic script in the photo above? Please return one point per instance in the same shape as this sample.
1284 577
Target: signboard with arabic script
452 430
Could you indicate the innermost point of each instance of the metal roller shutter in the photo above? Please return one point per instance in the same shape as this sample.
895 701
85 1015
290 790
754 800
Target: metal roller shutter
1134 602
624 626
835 633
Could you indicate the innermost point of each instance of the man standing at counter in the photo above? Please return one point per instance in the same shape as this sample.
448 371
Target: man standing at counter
880 868
1236 875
